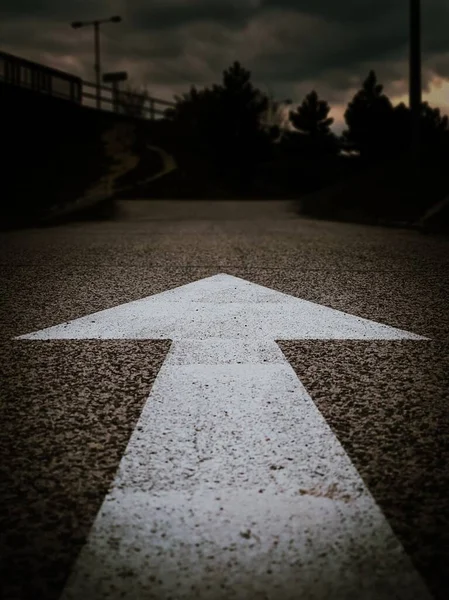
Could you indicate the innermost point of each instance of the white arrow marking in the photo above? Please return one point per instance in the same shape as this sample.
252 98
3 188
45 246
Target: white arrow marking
220 307
232 484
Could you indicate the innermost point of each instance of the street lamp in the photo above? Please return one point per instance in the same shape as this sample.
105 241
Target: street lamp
96 24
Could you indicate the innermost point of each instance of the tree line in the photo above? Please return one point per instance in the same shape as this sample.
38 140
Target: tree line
223 125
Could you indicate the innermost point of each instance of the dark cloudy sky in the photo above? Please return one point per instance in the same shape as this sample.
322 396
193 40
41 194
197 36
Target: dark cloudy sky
290 46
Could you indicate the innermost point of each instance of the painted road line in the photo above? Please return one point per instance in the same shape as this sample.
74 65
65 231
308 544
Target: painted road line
232 484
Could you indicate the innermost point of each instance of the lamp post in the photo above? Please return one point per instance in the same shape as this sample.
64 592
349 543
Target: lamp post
415 76
96 24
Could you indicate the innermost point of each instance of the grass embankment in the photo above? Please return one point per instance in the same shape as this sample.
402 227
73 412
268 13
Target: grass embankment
392 193
61 160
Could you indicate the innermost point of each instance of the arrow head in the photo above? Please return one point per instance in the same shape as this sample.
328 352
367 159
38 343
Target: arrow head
221 306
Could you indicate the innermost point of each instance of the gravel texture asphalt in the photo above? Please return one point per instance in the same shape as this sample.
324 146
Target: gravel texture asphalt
68 407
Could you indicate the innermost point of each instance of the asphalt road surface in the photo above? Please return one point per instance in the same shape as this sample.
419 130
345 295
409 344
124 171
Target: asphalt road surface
291 452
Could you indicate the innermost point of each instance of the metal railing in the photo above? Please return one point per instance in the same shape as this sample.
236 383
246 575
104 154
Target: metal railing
34 76
24 73
130 103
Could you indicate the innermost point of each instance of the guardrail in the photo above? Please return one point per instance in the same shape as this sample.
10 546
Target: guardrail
123 102
24 73
34 76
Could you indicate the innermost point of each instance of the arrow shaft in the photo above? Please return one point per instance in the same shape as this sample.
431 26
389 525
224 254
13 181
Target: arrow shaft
233 485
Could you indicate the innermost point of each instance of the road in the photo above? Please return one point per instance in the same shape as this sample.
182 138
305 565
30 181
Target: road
70 406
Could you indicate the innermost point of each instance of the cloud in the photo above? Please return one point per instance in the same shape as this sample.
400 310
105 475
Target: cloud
172 14
290 46
53 11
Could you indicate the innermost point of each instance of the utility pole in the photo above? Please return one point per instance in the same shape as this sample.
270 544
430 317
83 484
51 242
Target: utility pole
415 77
96 24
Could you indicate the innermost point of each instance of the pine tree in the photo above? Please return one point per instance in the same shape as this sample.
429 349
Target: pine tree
224 121
369 119
313 126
